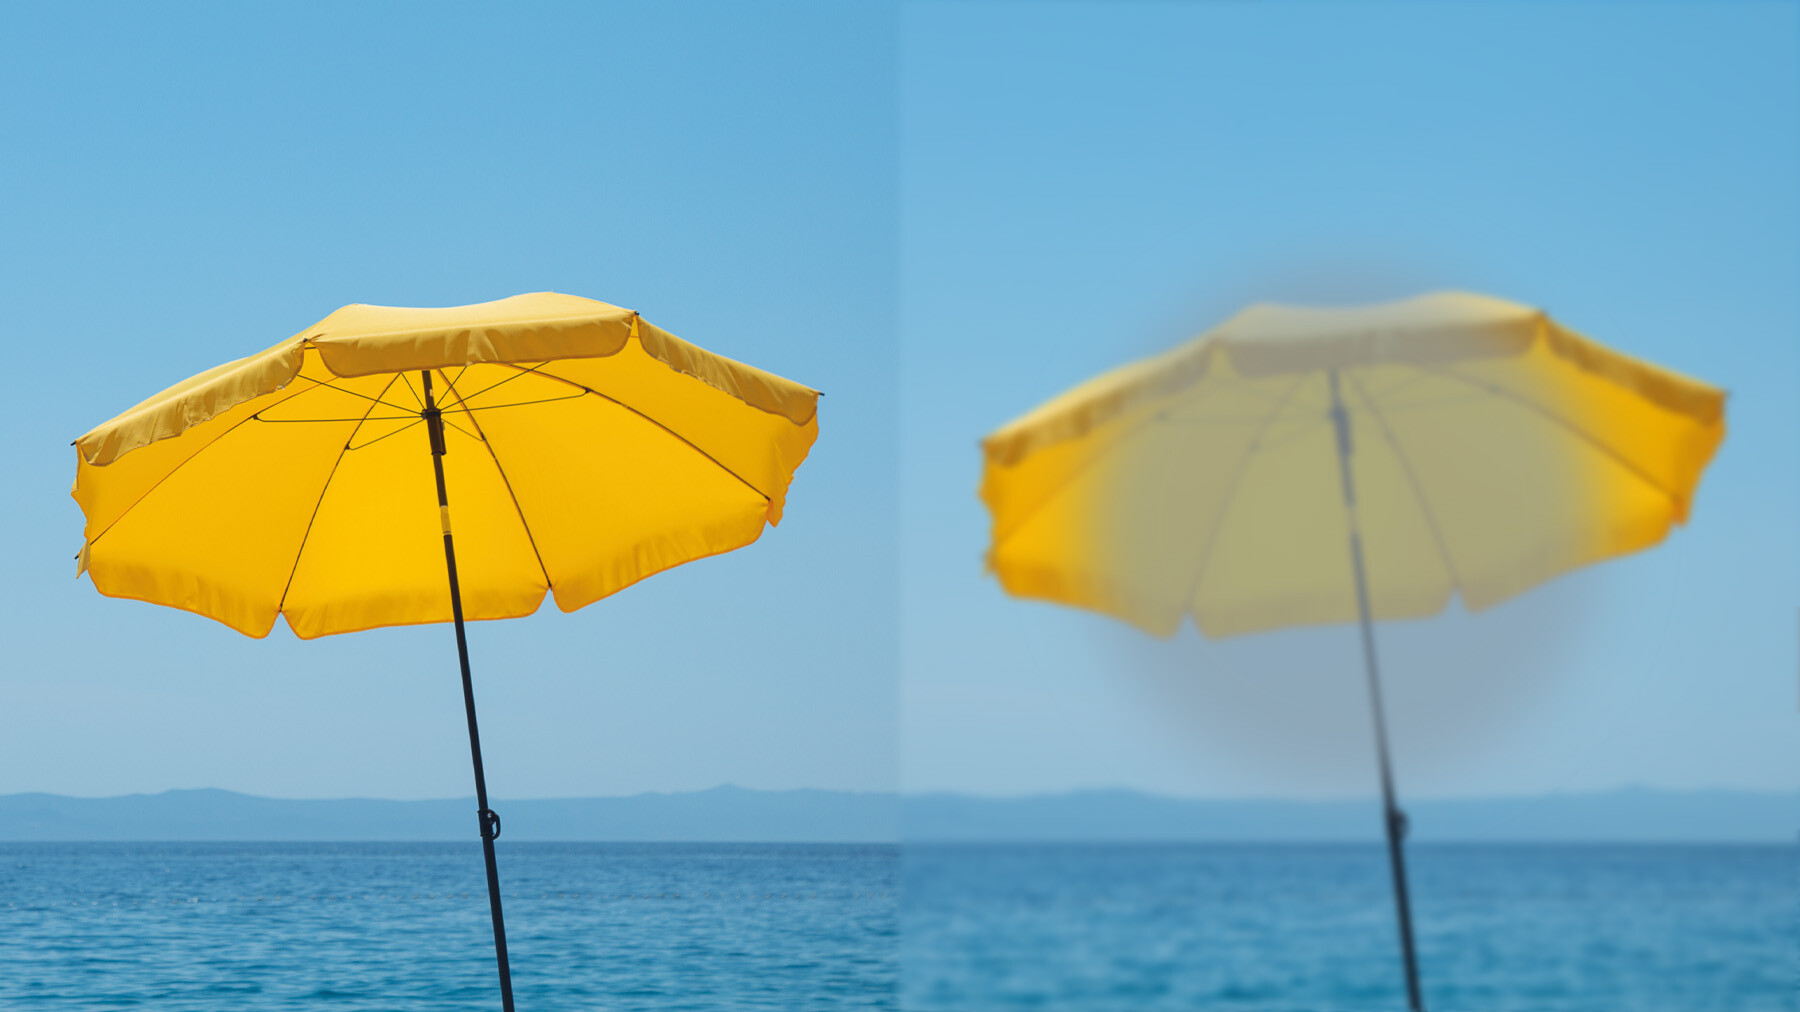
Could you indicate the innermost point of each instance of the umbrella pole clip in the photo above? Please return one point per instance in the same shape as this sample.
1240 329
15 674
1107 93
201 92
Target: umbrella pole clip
490 824
434 424
1397 823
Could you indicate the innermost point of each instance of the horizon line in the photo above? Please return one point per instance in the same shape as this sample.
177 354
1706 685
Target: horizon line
939 794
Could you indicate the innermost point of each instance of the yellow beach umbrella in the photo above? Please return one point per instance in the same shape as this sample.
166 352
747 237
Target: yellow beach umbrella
572 446
1301 466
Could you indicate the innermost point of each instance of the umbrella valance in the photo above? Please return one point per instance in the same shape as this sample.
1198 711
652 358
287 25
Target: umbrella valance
364 340
1268 339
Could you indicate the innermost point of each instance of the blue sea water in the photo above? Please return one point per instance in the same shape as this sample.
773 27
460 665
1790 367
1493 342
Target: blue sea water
245 926
1154 927
922 927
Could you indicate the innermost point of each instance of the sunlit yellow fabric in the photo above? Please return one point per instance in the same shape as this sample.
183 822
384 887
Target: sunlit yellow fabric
587 450
1491 449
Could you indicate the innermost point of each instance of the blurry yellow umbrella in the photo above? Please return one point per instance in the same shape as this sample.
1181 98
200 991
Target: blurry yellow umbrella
586 448
1301 466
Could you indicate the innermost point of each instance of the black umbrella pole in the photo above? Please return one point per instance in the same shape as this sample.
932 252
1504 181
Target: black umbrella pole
489 822
1392 817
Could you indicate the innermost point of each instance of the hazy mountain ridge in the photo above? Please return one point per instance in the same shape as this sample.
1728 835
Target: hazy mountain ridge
744 815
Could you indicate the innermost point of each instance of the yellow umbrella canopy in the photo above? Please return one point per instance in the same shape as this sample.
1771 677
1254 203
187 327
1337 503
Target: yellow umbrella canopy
1300 466
1492 448
583 448
587 450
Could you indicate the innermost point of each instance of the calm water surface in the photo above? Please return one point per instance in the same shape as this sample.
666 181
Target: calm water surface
1592 928
405 926
926 928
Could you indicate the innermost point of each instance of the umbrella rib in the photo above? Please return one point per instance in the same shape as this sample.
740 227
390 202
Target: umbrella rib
345 390
1585 436
501 383
355 418
504 480
1412 479
1237 478
453 425
538 370
409 389
522 404
307 534
396 432
171 472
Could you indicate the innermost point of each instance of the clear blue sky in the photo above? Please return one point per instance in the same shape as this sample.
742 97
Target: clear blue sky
1083 184
187 184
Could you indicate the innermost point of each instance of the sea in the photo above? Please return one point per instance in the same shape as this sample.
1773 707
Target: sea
965 927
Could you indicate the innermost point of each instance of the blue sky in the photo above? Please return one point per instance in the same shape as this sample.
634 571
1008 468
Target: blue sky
1084 184
940 214
187 185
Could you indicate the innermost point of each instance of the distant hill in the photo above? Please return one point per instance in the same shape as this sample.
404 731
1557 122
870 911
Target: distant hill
739 814
723 813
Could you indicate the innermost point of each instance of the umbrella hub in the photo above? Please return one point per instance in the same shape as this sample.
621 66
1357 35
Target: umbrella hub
434 421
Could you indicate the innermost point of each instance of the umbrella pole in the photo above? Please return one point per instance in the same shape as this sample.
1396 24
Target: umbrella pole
1393 817
489 822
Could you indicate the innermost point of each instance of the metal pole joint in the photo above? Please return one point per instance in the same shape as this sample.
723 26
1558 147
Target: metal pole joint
434 424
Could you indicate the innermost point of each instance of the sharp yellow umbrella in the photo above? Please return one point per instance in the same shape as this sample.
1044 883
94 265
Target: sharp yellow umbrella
573 446
1302 466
